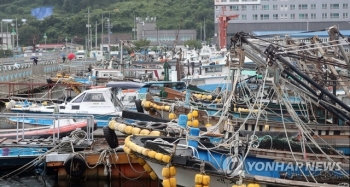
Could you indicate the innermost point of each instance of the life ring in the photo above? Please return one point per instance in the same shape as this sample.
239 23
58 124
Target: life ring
141 123
75 166
158 126
138 106
111 137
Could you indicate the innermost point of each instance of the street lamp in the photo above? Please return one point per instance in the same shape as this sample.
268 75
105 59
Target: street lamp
45 37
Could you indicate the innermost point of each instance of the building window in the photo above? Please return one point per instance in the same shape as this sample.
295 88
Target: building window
292 7
345 6
302 16
255 16
324 6
275 7
275 16
345 15
302 6
244 7
334 6
334 15
264 16
292 16
324 15
244 17
265 7
313 16
313 6
234 0
234 8
223 1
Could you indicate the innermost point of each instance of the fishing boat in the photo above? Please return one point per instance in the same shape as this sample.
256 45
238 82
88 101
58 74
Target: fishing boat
103 103
18 156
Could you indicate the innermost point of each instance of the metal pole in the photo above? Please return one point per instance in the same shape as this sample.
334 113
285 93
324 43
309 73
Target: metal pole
7 31
109 34
88 37
2 38
96 36
102 34
17 33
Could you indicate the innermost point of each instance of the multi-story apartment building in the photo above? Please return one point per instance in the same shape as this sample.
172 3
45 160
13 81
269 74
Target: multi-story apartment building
283 15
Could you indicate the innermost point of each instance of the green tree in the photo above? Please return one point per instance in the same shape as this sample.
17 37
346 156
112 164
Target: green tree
193 43
141 43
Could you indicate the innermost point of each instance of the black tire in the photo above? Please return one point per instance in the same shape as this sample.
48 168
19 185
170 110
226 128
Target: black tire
75 166
139 107
111 137
158 126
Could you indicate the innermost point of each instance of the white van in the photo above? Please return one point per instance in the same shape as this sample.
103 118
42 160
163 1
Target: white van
80 54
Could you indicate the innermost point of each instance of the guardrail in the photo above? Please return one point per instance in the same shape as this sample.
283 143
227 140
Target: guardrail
21 117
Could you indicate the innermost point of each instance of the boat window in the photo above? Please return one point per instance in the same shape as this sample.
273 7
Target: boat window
346 100
94 97
213 69
79 99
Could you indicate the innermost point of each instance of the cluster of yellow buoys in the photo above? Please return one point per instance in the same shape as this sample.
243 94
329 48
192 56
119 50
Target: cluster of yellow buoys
147 105
130 146
202 180
245 110
206 97
128 129
168 174
192 119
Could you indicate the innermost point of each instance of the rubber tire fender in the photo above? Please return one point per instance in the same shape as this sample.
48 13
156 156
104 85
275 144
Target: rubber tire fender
76 160
110 137
158 126
139 107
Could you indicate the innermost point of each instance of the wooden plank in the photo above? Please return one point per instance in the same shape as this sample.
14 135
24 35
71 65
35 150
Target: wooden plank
15 141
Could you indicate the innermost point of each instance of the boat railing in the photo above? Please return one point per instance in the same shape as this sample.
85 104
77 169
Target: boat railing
55 127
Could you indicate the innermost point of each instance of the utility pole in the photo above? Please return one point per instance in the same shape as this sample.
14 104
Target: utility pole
2 38
17 34
205 38
96 36
88 26
102 34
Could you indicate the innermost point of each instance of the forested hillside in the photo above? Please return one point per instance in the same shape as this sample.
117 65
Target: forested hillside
69 17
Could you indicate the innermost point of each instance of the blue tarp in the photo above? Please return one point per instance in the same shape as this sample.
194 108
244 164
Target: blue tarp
42 12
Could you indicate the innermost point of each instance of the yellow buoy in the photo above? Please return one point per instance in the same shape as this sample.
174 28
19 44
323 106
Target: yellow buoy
253 185
111 124
198 185
133 156
139 149
152 154
167 108
172 170
209 97
128 129
147 168
189 123
121 128
189 116
159 156
144 132
166 158
266 127
206 180
136 131
172 116
208 125
198 178
141 161
166 183
153 175
195 123
172 182
147 104
145 152
195 113
166 172
155 133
